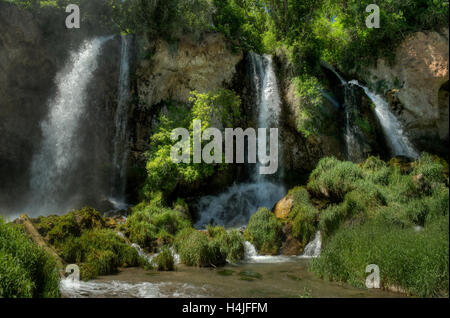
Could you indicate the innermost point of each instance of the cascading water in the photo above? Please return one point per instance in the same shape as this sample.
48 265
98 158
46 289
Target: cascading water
234 207
120 155
354 138
392 128
311 250
52 165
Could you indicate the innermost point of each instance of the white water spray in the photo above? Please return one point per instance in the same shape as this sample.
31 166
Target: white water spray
392 128
59 152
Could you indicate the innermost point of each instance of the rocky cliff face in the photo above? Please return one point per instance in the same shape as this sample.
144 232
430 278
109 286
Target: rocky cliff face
417 88
302 154
175 70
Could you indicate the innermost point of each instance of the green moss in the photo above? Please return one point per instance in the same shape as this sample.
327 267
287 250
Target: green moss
264 231
225 272
57 228
249 275
100 252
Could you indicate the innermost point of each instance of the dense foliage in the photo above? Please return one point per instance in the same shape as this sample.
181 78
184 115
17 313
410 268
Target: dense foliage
26 270
220 109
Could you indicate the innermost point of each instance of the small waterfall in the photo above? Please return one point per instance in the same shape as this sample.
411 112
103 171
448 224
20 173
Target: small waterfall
353 137
392 128
52 166
234 207
120 155
313 248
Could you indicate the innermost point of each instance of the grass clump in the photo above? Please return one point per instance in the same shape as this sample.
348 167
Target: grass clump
231 242
26 270
100 252
304 215
152 225
164 261
332 179
264 231
197 249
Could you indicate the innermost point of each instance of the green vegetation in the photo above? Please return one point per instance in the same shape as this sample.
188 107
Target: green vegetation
163 175
99 252
83 237
304 216
196 249
151 225
26 270
264 231
387 215
332 179
231 242
164 261
211 248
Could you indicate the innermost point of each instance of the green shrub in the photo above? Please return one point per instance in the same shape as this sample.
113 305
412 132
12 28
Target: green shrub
26 270
333 178
304 215
264 231
164 261
196 249
231 242
376 170
100 252
430 168
150 223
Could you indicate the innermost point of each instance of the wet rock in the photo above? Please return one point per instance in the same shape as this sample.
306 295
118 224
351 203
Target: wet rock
283 207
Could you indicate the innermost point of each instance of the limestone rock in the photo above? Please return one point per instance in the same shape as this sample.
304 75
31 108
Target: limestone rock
175 70
416 85
283 207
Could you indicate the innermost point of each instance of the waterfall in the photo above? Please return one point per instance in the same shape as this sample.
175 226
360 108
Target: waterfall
311 250
392 128
353 136
234 207
53 163
120 155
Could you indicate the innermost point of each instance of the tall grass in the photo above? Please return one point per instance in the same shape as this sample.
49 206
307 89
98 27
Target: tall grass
26 270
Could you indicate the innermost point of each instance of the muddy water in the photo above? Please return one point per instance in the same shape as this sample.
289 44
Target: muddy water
289 279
